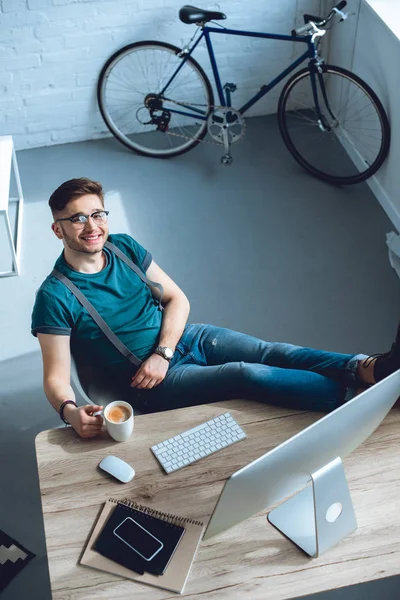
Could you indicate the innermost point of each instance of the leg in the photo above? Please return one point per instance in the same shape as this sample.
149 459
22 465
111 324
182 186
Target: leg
192 384
211 345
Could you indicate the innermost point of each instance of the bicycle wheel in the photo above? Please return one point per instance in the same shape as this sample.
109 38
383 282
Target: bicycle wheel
141 112
348 140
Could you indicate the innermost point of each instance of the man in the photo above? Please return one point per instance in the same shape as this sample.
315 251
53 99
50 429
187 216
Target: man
182 364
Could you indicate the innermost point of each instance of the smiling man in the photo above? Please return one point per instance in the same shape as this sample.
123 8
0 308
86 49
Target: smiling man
182 365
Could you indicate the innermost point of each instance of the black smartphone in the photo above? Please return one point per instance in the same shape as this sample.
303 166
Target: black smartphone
138 538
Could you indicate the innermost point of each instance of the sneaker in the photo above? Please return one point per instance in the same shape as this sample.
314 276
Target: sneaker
388 362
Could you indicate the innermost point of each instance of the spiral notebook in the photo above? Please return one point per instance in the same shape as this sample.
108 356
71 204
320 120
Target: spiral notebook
139 541
177 570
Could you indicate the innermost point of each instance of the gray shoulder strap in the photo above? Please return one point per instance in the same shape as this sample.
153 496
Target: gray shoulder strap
131 264
97 318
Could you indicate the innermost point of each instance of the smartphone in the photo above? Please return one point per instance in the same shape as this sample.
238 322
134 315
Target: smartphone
138 538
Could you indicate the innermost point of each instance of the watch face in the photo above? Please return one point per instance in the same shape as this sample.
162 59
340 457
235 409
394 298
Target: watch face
168 352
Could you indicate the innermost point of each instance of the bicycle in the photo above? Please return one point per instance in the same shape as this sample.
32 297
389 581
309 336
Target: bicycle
157 100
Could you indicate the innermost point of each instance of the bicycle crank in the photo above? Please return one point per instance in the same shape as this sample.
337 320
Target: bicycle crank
226 126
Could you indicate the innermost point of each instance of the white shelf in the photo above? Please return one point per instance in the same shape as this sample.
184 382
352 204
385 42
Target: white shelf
8 161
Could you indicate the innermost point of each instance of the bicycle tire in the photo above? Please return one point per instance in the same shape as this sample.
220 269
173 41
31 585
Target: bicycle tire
380 113
122 137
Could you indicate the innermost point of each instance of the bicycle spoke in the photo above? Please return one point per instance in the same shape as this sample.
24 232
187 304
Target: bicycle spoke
367 149
367 107
168 74
345 139
124 88
304 117
351 105
142 71
363 134
345 106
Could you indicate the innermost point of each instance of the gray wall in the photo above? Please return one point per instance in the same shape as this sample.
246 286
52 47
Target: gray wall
366 45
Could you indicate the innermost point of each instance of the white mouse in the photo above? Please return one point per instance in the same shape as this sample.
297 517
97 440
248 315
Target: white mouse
117 468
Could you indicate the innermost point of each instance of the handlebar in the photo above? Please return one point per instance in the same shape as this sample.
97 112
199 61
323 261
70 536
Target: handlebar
312 26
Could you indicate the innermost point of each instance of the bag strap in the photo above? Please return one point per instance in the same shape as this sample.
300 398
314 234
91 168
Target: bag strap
108 332
97 318
131 264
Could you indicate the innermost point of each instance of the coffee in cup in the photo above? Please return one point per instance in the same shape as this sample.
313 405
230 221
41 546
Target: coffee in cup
119 420
118 414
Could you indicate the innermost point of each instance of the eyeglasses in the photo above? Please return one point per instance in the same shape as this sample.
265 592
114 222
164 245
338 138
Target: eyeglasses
99 217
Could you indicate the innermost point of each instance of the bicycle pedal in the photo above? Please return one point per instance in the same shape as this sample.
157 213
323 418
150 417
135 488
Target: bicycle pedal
226 160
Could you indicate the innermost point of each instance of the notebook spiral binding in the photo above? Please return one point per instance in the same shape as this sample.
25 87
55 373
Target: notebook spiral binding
167 517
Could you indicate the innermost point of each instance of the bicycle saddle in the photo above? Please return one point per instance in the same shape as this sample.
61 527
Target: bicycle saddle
190 14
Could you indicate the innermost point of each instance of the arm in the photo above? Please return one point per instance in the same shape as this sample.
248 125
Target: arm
56 383
176 312
176 307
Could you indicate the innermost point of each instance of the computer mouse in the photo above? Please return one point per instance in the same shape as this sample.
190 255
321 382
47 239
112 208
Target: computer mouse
117 468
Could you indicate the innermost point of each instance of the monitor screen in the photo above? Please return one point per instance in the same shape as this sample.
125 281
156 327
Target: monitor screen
286 469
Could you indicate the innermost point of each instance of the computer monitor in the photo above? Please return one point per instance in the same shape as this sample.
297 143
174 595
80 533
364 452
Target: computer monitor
320 515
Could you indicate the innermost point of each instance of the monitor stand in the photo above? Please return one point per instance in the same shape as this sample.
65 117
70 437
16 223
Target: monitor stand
319 516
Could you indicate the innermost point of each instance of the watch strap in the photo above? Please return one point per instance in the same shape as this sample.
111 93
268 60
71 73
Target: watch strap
160 350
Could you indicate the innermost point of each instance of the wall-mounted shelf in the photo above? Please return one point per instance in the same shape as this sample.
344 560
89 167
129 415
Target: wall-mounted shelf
8 161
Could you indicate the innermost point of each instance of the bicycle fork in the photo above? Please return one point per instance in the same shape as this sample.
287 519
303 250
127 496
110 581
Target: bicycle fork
318 83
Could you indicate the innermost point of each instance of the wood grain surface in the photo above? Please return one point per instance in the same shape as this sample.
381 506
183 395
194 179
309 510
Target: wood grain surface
252 559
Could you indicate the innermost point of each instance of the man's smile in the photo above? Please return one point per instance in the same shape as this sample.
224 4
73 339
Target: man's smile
92 238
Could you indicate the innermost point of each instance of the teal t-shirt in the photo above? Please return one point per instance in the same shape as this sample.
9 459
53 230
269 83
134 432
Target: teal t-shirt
117 293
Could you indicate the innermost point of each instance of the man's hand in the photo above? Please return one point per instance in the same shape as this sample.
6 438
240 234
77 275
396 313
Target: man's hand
82 420
150 373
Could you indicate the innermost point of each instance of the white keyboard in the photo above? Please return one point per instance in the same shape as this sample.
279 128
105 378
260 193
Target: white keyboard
193 444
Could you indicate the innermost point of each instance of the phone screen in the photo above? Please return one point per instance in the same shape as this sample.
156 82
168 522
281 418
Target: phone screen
138 538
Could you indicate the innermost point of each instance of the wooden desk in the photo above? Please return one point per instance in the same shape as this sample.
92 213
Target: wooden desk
252 559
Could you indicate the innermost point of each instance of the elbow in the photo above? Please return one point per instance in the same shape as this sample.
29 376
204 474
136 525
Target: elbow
179 301
52 384
186 303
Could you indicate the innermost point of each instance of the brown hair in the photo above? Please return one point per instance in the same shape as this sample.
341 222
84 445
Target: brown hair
73 189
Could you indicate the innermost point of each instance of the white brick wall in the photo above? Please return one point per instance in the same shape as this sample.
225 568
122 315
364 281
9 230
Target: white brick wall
51 52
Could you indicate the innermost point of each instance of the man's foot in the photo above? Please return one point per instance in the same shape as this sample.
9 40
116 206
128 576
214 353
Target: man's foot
387 363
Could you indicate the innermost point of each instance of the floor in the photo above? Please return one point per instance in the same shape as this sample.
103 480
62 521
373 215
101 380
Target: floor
260 247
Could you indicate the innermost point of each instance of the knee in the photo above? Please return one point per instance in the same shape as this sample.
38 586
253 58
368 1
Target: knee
249 375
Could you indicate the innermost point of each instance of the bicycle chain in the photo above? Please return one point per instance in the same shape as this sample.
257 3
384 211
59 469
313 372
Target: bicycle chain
213 107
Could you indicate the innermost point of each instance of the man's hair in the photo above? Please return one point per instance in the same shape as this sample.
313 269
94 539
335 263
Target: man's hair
72 190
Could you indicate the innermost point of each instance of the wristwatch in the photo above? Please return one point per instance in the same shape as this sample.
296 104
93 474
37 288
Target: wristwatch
165 352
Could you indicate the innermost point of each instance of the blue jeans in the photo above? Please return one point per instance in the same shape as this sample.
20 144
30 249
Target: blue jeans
213 364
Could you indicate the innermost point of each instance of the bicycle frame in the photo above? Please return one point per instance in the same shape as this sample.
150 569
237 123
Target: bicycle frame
206 31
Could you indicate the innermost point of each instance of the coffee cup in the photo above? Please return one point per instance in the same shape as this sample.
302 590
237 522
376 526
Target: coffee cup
119 420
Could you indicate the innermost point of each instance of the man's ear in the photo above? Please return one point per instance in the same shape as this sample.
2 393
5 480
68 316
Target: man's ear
57 230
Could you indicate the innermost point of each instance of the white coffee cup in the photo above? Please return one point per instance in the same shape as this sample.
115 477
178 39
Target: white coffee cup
119 431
